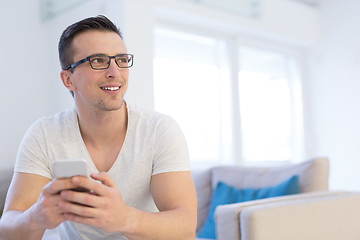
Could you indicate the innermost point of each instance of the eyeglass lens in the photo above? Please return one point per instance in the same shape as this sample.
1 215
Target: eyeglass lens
103 61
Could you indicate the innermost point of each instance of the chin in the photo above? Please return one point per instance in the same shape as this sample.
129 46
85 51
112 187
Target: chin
110 107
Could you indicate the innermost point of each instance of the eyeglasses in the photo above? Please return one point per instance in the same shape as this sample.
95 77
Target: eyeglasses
102 61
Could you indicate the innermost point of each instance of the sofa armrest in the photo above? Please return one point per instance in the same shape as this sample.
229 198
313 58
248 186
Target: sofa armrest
228 219
329 217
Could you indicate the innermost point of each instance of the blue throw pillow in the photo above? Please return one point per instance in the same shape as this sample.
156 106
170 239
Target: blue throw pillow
225 194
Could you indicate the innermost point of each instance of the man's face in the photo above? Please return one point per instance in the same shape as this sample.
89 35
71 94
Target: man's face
99 90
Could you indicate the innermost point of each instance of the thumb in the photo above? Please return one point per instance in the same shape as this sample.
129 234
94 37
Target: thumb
104 178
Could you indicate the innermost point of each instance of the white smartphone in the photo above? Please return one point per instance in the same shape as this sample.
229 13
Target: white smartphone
65 168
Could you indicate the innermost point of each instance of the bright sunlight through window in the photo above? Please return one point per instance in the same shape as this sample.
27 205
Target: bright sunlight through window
226 118
190 85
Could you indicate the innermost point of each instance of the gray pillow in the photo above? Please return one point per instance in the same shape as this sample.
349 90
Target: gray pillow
313 175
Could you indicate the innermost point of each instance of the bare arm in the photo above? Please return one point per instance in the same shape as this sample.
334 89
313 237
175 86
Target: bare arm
175 197
173 193
30 207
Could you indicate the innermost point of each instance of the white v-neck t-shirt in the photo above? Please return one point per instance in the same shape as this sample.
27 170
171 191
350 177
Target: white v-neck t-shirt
153 144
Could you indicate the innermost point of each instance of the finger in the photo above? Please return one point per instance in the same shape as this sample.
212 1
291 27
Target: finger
57 185
77 209
104 178
50 202
81 198
80 219
93 186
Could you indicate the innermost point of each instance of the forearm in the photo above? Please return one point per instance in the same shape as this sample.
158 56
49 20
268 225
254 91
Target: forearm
177 217
19 225
175 224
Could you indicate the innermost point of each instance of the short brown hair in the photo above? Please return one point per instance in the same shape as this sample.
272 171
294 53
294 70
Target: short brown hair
98 23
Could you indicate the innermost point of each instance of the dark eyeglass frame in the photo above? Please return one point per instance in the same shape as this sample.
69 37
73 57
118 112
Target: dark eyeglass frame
129 56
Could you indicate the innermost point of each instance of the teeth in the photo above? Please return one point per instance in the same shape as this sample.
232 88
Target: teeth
110 88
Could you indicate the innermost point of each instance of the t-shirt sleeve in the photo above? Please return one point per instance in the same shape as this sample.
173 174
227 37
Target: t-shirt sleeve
170 151
32 153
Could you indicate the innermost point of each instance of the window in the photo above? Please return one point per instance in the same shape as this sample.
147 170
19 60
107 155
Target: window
191 84
246 117
266 104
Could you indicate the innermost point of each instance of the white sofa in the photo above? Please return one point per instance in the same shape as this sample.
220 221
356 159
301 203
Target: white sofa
310 216
314 213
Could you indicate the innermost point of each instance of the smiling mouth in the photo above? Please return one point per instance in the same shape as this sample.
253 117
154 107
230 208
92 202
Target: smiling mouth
110 88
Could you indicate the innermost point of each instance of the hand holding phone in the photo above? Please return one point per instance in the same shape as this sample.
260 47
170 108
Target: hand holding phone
67 168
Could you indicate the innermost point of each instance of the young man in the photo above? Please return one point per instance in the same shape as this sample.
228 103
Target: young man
140 182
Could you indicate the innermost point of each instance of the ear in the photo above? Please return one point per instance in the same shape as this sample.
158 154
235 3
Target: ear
66 79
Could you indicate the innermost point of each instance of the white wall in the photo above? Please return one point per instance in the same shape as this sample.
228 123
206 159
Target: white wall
333 89
24 90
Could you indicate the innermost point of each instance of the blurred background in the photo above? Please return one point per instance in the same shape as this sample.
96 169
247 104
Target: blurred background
250 82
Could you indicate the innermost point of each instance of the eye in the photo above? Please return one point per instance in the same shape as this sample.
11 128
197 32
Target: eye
122 59
99 60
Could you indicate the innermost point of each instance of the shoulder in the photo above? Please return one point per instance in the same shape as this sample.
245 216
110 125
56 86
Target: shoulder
152 125
56 122
60 117
149 117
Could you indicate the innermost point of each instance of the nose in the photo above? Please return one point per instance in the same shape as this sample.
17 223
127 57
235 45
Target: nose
113 70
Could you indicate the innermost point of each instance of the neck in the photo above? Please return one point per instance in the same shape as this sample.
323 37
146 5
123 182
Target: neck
102 127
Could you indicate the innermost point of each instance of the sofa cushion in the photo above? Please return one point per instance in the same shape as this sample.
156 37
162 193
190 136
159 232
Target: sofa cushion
313 175
202 181
225 194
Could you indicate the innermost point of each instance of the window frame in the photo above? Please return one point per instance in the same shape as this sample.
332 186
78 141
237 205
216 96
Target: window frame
233 42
